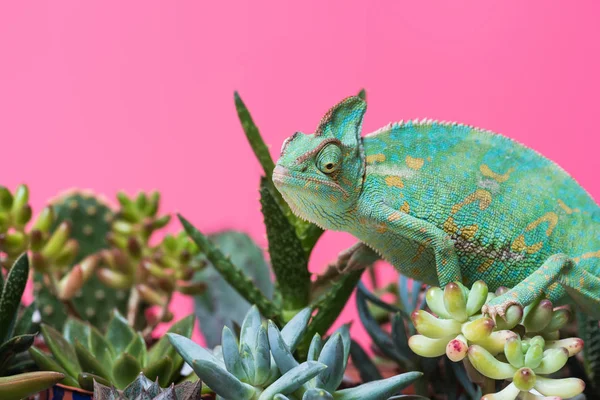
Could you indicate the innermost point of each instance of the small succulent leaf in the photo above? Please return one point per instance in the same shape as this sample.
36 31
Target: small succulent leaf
125 369
100 347
434 297
552 361
119 333
160 370
316 344
46 363
476 298
62 350
191 351
85 380
294 330
381 389
25 324
362 94
293 379
74 330
20 386
489 366
248 363
344 331
231 355
250 326
14 286
12 347
163 347
366 368
434 327
262 357
427 347
332 356
137 348
562 388
220 381
89 363
280 397
317 394
281 353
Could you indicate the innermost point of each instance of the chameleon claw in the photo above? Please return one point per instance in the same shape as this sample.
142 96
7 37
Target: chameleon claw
499 310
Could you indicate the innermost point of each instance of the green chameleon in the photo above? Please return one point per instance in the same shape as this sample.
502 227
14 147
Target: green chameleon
474 204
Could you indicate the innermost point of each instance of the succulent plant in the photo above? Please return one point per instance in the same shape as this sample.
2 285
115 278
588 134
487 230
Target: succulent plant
391 351
143 388
83 354
261 366
16 336
527 363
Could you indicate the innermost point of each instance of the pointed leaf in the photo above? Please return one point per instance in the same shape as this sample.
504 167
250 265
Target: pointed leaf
250 327
45 363
191 351
231 356
12 347
220 381
293 379
25 324
381 389
75 330
366 368
294 330
100 347
281 353
86 381
61 350
160 370
11 295
89 363
137 348
20 386
262 357
119 333
332 356
125 369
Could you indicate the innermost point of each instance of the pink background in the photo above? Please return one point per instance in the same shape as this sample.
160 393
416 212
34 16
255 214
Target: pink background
138 95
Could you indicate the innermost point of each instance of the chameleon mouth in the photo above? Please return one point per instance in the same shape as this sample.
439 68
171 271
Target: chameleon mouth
283 176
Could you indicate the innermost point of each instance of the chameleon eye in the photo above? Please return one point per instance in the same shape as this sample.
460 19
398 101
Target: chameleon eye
329 159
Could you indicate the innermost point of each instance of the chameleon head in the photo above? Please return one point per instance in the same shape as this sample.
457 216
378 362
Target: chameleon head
321 175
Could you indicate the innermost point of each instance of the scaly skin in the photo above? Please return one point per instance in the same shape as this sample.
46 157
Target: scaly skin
474 204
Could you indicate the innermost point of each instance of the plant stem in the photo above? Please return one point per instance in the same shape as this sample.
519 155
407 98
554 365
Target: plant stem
161 315
132 305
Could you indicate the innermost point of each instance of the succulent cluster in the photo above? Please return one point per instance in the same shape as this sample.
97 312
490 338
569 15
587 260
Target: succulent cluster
83 354
516 344
16 336
143 388
261 366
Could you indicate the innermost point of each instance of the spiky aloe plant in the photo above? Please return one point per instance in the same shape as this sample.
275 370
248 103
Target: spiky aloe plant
143 388
16 336
83 354
261 366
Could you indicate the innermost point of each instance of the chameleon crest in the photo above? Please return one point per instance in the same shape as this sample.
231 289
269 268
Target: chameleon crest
446 201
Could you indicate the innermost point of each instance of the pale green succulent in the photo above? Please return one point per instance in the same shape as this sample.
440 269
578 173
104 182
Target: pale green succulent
526 362
262 366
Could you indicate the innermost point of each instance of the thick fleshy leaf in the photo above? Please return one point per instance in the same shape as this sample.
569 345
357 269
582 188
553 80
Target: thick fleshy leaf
317 394
20 386
220 381
489 366
250 327
62 350
231 355
125 369
332 356
161 370
163 347
191 351
25 324
137 348
86 381
12 347
247 357
316 345
119 333
89 363
294 330
10 297
100 347
281 353
293 379
75 330
45 363
344 332
381 389
262 357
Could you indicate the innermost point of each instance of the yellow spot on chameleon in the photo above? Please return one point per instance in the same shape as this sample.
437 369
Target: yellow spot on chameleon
394 181
482 196
488 173
414 163
518 245
420 251
381 228
449 226
395 216
581 281
405 208
549 217
468 232
373 158
486 264
333 198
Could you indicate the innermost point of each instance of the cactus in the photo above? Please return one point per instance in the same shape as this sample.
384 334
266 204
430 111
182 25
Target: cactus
16 336
88 219
220 305
144 388
83 354
261 366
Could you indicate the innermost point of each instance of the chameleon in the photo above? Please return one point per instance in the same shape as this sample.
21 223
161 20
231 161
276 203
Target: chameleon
445 202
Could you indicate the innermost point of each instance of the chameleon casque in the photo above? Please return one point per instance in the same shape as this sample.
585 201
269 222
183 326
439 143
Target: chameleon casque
447 202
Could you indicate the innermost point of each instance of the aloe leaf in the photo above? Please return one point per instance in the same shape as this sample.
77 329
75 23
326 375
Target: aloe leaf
75 330
293 379
160 370
44 362
281 353
20 386
89 363
377 301
119 333
232 274
125 369
294 330
223 383
332 356
380 389
61 350
10 299
366 368
25 324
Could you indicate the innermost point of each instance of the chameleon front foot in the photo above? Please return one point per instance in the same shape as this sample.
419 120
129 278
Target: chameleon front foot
494 308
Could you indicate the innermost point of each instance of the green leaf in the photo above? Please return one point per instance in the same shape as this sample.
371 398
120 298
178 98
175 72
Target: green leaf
232 274
44 362
100 347
362 94
163 347
294 330
20 386
74 330
62 350
333 357
220 381
137 348
292 380
288 258
366 368
161 370
381 389
89 363
281 353
86 381
12 347
253 135
125 369
119 334
11 295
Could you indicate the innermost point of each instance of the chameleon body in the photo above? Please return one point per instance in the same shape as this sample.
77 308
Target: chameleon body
444 202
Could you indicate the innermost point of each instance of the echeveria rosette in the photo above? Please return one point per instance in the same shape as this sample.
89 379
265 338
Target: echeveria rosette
143 388
527 361
459 322
262 366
